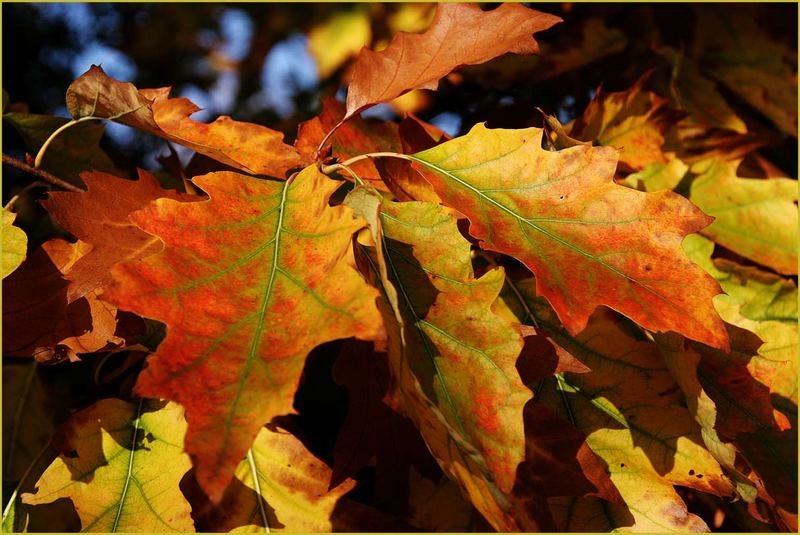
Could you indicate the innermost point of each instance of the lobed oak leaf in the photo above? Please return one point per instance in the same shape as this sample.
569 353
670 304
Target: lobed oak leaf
121 465
282 487
38 318
590 241
454 360
248 147
460 34
249 282
753 217
629 408
99 218
15 244
635 121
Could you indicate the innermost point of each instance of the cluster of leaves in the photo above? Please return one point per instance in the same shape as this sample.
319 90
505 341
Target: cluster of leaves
570 328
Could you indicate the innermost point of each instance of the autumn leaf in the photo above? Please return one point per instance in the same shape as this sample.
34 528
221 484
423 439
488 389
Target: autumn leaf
99 218
628 406
755 218
589 241
634 121
38 318
355 137
248 283
121 464
72 152
15 243
460 34
748 61
471 422
282 487
248 147
698 95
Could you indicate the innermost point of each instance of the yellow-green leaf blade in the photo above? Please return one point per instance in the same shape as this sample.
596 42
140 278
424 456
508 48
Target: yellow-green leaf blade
589 241
121 466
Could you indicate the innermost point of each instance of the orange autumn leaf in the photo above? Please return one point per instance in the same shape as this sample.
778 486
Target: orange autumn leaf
249 147
635 121
590 241
460 34
249 282
99 218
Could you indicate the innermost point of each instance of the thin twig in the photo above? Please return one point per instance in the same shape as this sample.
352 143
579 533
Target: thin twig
328 169
40 173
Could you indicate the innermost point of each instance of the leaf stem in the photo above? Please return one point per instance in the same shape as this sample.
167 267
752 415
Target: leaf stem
257 487
328 135
41 173
37 163
328 169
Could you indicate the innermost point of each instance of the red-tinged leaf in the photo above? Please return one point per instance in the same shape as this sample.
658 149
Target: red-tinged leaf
460 34
248 283
454 360
355 137
590 241
99 218
38 318
249 147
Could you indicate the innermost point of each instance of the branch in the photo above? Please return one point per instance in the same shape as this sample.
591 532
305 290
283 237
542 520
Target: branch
40 173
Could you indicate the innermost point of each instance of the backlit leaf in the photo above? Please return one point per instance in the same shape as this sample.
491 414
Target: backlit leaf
249 147
99 218
753 217
282 487
628 406
460 34
589 241
249 282
121 464
15 243
635 121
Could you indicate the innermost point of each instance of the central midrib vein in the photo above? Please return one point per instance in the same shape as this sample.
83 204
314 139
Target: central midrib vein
539 229
259 323
129 474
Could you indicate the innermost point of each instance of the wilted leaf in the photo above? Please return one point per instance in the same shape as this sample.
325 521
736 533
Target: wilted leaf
753 217
634 121
121 465
99 218
248 283
73 151
628 406
249 147
15 243
460 34
339 38
589 241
